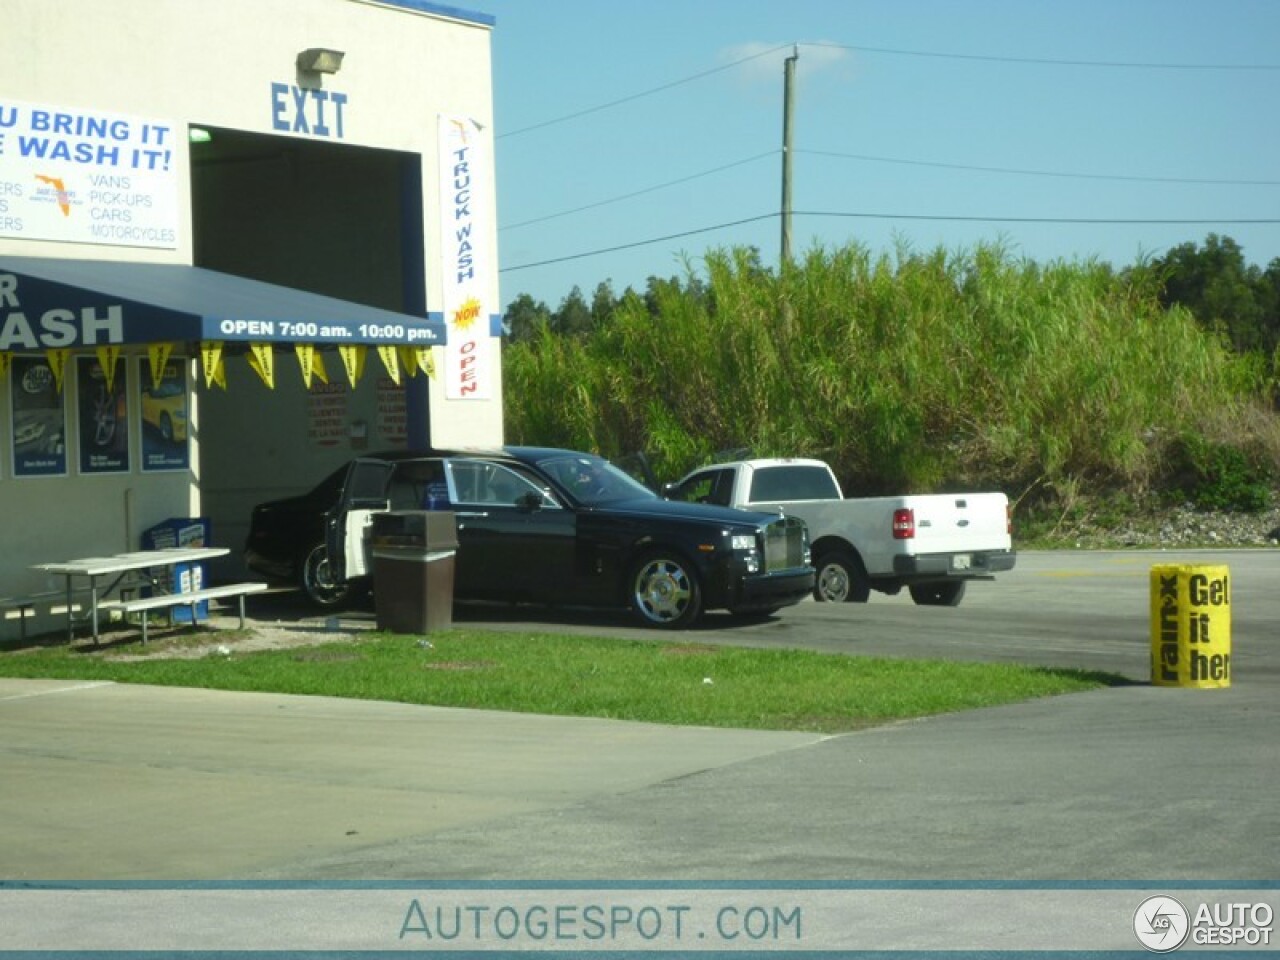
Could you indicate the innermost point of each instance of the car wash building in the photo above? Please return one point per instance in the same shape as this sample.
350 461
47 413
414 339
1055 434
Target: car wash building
240 243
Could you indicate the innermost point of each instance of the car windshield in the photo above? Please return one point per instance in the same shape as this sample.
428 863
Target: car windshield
594 481
165 389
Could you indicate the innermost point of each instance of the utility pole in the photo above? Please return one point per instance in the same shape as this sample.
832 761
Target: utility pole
788 105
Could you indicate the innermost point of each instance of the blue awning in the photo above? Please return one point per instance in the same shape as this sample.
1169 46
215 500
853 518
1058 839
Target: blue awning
48 302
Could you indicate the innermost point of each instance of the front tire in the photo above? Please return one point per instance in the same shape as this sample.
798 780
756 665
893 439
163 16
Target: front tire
841 578
945 593
319 583
665 592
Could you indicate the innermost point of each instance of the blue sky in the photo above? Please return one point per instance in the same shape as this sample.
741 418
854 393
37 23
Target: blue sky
905 110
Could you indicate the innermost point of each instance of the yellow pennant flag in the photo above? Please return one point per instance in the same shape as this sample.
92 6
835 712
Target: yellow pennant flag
108 356
353 359
6 359
58 364
317 367
211 363
306 361
158 354
408 360
426 361
262 361
389 360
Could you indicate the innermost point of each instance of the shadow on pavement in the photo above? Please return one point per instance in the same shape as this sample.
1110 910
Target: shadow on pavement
292 605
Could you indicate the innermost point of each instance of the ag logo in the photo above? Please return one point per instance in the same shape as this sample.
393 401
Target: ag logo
1161 924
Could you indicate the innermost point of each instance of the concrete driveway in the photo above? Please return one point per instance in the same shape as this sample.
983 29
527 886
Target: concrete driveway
109 781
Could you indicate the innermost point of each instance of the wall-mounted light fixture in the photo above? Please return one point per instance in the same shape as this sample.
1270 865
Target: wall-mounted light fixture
320 60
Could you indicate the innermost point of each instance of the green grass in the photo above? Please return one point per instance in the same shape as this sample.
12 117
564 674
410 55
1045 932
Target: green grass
661 682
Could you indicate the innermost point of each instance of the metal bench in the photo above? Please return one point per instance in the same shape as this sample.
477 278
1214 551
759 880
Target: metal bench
168 601
24 608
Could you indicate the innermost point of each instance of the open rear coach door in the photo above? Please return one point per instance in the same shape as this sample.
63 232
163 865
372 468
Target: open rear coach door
365 491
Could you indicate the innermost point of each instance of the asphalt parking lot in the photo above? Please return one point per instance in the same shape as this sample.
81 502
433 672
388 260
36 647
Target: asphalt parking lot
108 781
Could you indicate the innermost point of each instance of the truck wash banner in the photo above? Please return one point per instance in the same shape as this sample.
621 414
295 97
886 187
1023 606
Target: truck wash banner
466 260
85 176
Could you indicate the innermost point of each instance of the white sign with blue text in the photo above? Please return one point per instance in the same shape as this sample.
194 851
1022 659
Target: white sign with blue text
87 176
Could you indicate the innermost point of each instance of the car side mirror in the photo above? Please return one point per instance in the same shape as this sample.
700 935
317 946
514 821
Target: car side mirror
529 502
669 490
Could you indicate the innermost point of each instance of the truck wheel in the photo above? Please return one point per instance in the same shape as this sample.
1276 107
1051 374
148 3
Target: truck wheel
318 582
841 578
665 591
947 593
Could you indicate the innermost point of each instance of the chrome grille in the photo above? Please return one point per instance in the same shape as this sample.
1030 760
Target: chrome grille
784 544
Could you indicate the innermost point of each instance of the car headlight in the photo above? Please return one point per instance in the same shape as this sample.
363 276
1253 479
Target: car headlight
745 543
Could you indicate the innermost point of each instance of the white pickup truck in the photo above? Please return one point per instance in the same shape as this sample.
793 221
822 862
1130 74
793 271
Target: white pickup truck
932 544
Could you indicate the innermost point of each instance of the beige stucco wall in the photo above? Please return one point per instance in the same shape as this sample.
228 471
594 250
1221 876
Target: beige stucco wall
199 62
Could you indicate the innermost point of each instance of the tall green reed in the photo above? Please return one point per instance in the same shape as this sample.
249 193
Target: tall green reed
907 371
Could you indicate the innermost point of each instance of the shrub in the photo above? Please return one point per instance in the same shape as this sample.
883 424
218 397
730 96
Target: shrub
1216 476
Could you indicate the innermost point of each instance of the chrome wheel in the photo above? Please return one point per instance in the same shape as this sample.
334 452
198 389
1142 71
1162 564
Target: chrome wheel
664 593
841 578
318 581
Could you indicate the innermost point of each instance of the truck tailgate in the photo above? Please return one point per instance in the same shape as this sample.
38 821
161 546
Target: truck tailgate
946 523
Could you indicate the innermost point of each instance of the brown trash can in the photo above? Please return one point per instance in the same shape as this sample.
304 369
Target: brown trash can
413 560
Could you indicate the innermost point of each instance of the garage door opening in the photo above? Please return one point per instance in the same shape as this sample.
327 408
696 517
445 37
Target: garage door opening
330 218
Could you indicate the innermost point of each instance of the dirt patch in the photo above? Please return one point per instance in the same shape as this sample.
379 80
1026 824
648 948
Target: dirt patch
218 635
222 635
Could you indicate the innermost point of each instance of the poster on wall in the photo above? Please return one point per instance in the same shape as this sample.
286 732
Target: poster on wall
327 414
103 417
86 176
392 416
39 419
163 409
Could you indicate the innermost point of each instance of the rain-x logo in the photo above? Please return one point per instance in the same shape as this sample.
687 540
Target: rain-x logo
1161 924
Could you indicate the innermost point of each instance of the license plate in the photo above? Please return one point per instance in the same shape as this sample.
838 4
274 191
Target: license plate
961 561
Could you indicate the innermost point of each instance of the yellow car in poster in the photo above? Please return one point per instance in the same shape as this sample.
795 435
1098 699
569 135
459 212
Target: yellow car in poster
165 408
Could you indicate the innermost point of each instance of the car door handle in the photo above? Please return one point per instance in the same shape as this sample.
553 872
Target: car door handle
472 513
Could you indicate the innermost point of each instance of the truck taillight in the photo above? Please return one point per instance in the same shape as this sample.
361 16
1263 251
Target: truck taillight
1008 519
904 524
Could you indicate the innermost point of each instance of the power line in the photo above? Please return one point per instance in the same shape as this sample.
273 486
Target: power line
1048 61
641 192
1043 173
895 160
1038 61
1112 221
638 243
1136 221
637 96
